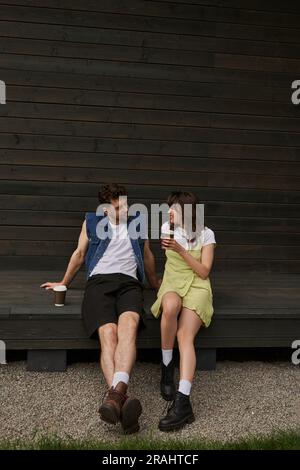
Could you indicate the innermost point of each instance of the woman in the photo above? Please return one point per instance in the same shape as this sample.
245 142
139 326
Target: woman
185 300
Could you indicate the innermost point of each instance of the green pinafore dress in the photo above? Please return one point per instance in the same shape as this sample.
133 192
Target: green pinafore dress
195 292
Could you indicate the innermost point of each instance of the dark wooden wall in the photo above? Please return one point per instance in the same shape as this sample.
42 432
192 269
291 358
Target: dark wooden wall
157 95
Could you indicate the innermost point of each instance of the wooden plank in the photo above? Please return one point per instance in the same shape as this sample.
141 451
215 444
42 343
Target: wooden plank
127 146
192 179
257 280
141 70
75 219
271 5
148 192
82 205
71 234
184 42
142 87
92 130
225 164
225 265
283 341
66 110
221 333
44 314
65 248
150 55
160 23
212 11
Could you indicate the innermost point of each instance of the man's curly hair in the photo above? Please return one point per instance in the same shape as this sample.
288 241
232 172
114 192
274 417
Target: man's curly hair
111 191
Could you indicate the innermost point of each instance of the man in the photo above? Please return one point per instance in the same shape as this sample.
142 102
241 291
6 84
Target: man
112 306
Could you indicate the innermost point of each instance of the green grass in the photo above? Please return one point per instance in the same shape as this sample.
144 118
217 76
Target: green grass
278 441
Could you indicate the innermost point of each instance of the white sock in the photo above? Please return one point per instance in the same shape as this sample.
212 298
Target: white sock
185 386
167 355
120 377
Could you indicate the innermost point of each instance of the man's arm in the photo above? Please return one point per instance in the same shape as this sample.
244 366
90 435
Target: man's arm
76 260
150 270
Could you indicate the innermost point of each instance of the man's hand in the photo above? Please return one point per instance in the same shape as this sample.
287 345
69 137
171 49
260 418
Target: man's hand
157 284
150 267
51 285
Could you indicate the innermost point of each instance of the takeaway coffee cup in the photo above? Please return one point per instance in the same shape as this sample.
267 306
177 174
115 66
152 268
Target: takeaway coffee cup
59 295
168 232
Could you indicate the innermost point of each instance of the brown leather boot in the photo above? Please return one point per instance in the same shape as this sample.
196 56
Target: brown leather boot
110 409
130 413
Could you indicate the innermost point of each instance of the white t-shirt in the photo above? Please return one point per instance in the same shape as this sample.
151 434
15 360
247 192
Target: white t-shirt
206 237
119 255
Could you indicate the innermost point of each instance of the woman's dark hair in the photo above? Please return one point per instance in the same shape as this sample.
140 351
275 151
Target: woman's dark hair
111 191
182 198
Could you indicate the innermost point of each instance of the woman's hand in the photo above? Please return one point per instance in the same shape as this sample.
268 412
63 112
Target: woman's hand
171 244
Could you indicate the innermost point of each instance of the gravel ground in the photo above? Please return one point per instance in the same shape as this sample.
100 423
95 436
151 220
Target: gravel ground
235 401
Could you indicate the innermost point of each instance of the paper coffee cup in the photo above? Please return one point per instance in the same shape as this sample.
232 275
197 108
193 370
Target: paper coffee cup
60 295
167 233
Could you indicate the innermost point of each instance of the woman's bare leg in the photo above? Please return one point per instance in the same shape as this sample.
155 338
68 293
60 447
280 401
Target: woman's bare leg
171 306
188 326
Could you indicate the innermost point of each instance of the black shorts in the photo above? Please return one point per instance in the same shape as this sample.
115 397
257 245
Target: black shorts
106 296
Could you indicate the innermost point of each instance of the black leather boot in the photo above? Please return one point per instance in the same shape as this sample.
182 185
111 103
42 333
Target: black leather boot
167 386
179 413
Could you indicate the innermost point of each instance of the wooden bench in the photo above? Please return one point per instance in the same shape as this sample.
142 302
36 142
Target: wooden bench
251 310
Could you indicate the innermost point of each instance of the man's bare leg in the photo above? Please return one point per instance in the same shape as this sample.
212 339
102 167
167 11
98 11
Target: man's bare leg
125 354
108 335
125 358
118 405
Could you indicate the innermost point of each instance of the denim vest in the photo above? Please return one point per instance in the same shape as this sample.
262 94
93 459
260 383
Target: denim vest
97 246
